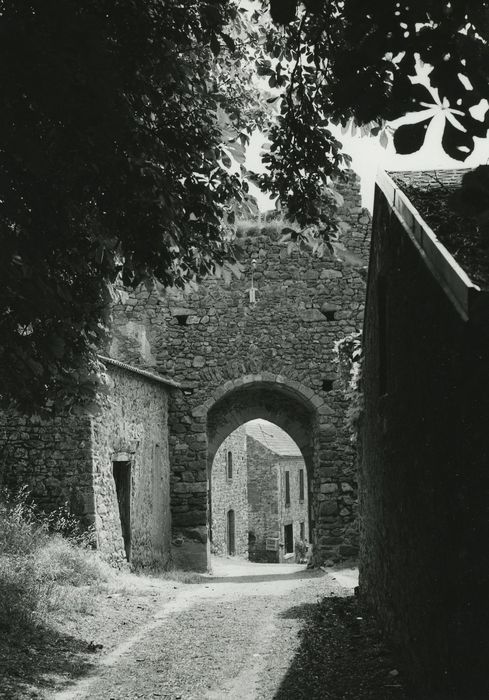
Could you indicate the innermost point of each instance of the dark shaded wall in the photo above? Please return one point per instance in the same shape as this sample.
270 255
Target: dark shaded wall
424 477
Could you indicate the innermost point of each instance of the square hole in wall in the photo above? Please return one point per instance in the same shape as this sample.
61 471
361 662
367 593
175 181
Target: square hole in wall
327 384
182 319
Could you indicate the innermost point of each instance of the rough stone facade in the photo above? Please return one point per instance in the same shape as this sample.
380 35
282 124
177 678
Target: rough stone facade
69 460
424 475
273 359
52 458
263 502
132 428
270 454
230 494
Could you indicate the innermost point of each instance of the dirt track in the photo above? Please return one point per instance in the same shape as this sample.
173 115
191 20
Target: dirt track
229 637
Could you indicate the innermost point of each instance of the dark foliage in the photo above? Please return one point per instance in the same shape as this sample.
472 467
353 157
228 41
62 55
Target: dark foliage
352 63
110 167
118 122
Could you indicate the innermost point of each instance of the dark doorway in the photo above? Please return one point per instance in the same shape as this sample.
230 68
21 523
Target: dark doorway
231 534
122 479
289 538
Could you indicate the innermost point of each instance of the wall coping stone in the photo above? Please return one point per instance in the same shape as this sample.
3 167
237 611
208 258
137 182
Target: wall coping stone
142 372
469 300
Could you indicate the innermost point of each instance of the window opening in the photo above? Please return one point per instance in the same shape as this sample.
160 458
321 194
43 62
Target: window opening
289 538
329 311
229 465
302 530
327 384
182 319
287 488
301 484
122 478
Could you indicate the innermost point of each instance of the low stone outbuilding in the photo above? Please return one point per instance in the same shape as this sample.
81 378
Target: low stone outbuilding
111 469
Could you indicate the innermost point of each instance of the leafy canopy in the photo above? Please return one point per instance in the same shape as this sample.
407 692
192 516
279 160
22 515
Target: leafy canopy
119 120
351 62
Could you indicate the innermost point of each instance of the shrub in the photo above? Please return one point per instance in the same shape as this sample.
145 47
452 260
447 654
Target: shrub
65 563
40 567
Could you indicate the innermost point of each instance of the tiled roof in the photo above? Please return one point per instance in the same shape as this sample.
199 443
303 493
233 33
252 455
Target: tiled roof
430 192
429 179
273 438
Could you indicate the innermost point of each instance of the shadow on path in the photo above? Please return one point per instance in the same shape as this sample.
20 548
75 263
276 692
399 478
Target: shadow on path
341 656
260 578
38 658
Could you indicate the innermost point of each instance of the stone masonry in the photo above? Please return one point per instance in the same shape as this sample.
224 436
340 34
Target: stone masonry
270 455
69 460
230 494
275 359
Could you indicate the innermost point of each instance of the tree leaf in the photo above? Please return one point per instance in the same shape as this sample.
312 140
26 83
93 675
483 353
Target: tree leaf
409 138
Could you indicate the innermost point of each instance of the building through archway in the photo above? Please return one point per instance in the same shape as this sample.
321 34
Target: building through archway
259 473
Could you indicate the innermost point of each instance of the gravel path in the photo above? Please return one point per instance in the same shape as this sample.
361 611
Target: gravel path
250 632
229 638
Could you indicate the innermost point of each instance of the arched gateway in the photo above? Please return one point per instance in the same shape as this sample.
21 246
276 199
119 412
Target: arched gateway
269 354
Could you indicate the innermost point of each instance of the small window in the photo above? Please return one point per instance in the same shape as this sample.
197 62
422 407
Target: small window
182 319
289 538
302 531
327 384
229 465
287 488
301 484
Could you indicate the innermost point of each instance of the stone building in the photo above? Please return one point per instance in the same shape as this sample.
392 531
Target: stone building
424 441
111 469
229 497
273 358
232 356
277 493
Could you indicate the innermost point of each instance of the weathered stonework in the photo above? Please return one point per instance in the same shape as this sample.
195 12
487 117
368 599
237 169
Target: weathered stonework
69 460
132 426
230 494
273 360
424 476
52 458
268 511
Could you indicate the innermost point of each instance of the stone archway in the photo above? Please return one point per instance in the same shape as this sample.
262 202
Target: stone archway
293 407
213 341
273 399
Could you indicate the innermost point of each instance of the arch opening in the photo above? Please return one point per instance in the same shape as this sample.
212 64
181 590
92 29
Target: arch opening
267 434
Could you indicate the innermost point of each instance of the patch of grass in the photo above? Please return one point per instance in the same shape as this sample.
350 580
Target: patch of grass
181 576
40 569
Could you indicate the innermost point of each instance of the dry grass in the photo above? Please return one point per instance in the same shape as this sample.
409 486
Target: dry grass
42 571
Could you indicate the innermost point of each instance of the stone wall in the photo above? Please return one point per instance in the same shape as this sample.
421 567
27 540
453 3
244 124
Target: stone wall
424 471
217 345
68 460
297 511
268 512
263 501
230 494
52 458
132 427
